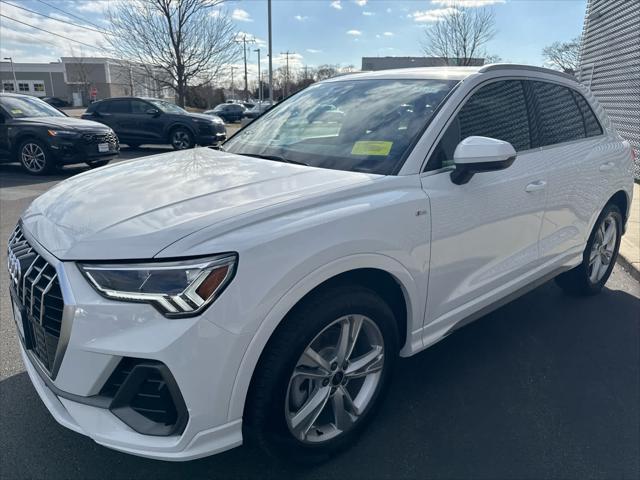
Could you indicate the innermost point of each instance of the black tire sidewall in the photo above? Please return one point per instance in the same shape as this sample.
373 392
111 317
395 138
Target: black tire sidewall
617 215
49 164
302 325
181 129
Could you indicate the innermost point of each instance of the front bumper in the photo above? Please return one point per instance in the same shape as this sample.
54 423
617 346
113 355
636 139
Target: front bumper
211 134
83 148
97 334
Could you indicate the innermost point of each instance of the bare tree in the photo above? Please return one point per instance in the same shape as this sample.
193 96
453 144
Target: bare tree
179 42
563 56
460 35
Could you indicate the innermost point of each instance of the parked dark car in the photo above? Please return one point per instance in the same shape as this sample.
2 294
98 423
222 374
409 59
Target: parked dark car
229 112
257 110
41 137
139 121
56 102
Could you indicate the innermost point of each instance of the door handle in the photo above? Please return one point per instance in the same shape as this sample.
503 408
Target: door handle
536 186
606 167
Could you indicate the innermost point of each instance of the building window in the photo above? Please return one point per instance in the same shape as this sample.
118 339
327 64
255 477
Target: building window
8 87
23 87
38 87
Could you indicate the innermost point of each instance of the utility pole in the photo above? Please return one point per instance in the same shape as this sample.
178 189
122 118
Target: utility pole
286 82
13 70
260 97
270 54
244 50
233 87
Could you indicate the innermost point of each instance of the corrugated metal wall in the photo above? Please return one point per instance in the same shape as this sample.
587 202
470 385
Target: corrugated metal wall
610 63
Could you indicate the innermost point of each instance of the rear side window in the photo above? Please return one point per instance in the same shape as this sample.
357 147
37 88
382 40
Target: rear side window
497 110
119 106
591 124
559 118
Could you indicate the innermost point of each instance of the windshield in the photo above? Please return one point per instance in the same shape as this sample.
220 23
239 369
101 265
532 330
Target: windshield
27 107
353 125
167 107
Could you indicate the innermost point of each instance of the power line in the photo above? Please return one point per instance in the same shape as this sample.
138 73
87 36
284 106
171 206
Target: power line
56 19
69 14
93 47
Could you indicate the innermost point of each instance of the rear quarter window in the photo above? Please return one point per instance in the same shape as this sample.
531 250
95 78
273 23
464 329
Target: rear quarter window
592 126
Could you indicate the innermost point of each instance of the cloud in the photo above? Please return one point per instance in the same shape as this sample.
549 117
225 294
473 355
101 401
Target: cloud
301 18
92 6
241 15
355 33
313 50
466 3
368 14
362 3
336 4
388 34
435 15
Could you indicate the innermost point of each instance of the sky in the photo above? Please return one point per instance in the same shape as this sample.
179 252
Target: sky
316 31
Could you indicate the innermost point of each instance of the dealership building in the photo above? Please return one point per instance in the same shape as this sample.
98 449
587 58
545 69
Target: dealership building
610 63
81 79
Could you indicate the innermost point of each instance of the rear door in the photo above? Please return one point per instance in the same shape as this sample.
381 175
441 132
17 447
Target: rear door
484 233
573 148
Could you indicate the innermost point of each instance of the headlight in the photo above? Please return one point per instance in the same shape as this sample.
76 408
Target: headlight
61 133
216 119
176 289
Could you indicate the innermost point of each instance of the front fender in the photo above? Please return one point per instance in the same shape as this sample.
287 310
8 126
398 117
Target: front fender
414 302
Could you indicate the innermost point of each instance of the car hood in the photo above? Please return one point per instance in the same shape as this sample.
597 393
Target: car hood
68 123
202 116
134 209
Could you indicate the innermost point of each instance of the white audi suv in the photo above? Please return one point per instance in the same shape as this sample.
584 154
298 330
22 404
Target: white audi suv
179 305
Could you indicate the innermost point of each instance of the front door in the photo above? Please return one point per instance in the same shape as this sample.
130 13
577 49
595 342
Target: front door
484 233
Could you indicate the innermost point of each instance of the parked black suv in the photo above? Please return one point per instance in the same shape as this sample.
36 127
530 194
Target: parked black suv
41 137
229 112
139 121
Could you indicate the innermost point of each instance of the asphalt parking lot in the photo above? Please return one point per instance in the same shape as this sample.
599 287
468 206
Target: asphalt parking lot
546 387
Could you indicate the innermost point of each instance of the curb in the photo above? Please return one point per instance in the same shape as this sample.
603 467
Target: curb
628 267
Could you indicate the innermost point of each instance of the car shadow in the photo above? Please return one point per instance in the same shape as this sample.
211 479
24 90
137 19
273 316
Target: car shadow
547 386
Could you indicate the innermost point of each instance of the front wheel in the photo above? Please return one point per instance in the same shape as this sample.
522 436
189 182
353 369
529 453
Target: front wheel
35 157
323 375
181 139
599 256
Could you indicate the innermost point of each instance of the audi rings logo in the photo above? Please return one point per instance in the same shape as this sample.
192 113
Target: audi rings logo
13 264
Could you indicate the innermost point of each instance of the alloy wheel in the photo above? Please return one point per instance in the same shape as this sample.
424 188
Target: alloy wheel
33 157
335 379
603 248
180 140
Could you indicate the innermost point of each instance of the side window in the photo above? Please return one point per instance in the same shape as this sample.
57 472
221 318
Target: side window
119 106
497 110
559 118
591 124
139 107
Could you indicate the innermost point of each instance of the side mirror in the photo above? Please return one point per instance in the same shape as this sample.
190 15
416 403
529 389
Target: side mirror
154 112
480 154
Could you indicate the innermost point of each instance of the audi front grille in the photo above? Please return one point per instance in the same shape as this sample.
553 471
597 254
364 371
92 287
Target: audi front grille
36 290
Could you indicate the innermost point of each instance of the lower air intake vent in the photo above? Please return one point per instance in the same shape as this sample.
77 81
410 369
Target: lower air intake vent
146 397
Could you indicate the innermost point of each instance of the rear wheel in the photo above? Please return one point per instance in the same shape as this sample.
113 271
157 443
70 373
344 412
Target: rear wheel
599 256
35 157
181 139
323 375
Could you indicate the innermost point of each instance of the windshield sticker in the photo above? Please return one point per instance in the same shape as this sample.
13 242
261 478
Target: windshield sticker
369 147
16 111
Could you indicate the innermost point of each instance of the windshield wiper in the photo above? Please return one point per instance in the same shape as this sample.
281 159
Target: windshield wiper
277 158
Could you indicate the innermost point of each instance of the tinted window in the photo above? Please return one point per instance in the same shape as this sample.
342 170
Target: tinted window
138 106
591 125
119 106
497 110
559 118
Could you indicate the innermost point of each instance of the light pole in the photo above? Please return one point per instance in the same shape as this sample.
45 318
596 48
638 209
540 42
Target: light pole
13 70
259 77
270 55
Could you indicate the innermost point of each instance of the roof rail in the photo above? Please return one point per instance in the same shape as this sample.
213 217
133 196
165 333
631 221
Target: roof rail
514 66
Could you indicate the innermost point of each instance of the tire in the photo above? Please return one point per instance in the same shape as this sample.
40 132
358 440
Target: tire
181 139
583 280
276 401
98 163
35 157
